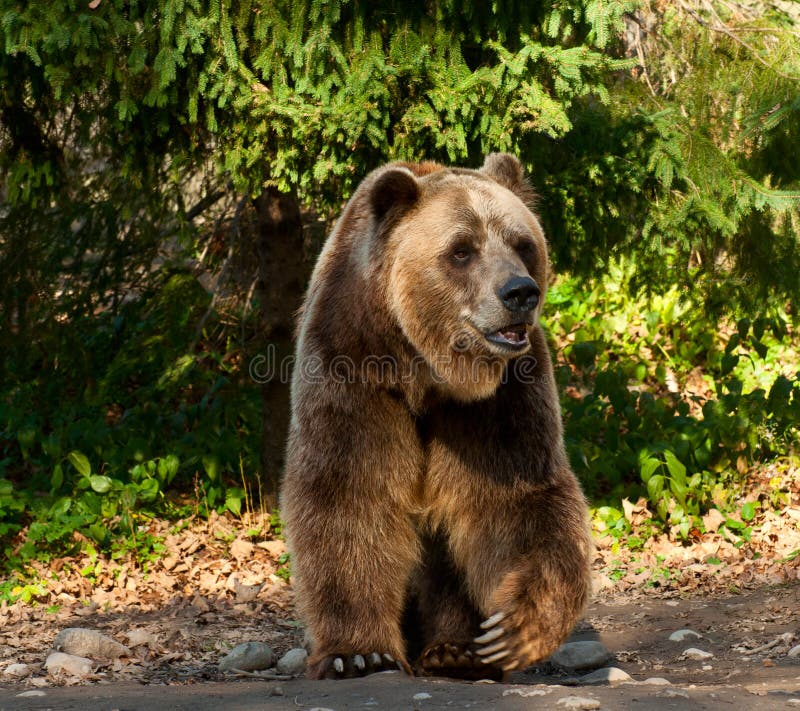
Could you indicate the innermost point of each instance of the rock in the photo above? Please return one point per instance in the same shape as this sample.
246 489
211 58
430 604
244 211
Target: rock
608 675
17 670
657 681
69 664
795 651
250 656
139 637
578 702
674 694
82 642
30 694
696 654
682 635
575 656
293 662
524 692
421 696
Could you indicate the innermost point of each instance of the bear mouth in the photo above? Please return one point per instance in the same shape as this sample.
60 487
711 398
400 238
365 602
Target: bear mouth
514 336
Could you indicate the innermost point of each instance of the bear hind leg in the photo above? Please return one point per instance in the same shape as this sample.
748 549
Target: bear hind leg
444 619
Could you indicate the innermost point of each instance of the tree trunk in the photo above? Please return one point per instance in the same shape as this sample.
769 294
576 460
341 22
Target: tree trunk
282 276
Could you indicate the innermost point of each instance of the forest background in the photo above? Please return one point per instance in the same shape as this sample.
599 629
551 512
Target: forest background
168 171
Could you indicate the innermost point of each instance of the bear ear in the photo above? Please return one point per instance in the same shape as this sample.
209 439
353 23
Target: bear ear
506 169
394 191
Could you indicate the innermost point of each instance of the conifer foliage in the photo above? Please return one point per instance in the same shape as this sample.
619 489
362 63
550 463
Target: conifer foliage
663 131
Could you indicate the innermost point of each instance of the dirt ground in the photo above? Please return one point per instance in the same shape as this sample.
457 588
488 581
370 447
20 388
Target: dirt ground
734 628
212 588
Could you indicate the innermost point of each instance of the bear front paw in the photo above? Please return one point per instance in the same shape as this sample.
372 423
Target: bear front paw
348 666
515 639
457 660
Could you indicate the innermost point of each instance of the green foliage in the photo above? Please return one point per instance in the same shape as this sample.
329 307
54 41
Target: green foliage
664 132
665 403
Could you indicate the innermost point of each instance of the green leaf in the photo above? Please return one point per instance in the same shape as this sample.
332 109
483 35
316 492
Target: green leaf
729 362
676 469
148 490
99 483
57 478
80 462
655 486
761 349
211 465
748 511
648 467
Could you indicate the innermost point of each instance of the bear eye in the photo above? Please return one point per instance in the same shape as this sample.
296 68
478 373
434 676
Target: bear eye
462 254
526 250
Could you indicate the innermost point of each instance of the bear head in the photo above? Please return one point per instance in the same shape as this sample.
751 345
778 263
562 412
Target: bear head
464 263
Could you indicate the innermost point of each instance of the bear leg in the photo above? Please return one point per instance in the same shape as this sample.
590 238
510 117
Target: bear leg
447 619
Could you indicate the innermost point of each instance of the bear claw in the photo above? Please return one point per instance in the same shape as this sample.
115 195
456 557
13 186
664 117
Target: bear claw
346 666
457 660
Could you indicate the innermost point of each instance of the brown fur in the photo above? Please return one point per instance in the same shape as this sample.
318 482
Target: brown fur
435 483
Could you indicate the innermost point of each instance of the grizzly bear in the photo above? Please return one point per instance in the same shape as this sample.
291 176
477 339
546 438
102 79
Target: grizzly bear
430 509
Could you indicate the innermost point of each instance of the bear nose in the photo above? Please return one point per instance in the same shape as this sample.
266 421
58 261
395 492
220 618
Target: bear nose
519 294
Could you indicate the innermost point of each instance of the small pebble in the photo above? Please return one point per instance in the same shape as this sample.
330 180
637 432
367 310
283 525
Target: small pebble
657 681
608 675
293 662
681 635
576 656
578 702
32 693
421 696
84 642
706 667
17 670
674 694
70 664
696 654
795 651
524 692
250 656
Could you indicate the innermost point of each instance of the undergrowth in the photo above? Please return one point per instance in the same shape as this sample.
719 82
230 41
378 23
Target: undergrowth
145 417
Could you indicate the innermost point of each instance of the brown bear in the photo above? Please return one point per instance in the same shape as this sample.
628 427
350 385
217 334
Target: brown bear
431 512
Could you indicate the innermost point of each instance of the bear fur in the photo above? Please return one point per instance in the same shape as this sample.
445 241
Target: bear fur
430 509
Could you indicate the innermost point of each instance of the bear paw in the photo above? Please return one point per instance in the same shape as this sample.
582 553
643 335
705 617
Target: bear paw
457 660
512 640
347 666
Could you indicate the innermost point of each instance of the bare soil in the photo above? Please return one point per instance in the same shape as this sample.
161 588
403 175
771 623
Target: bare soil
213 588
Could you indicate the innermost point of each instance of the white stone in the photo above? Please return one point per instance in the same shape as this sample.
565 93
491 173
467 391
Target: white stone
578 702
293 662
421 696
657 681
30 694
681 635
524 692
69 664
83 642
249 656
696 654
17 670
674 694
795 651
575 656
607 675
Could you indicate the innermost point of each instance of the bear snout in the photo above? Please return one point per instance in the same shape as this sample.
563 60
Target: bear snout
520 293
